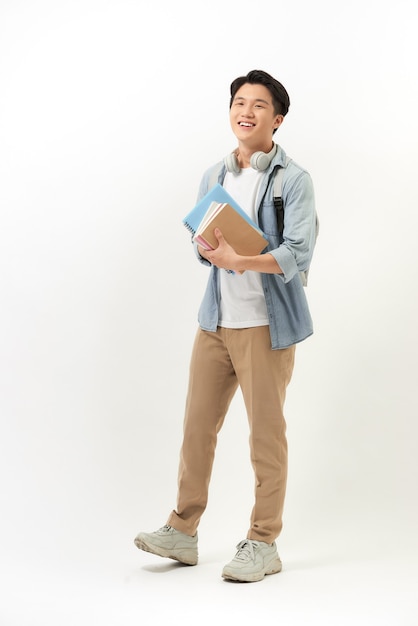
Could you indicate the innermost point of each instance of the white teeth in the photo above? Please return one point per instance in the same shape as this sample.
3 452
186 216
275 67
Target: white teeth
246 124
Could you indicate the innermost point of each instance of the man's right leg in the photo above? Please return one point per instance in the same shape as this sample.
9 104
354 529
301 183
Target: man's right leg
212 385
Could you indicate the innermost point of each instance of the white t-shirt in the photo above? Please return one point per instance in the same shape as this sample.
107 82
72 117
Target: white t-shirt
242 302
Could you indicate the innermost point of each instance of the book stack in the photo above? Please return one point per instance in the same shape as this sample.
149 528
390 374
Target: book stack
217 209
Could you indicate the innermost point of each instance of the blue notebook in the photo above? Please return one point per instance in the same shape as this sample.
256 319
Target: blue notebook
215 194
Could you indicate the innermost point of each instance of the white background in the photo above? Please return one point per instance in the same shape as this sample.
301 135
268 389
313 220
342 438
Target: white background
109 112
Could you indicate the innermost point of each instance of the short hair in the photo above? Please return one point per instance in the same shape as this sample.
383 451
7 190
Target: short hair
280 97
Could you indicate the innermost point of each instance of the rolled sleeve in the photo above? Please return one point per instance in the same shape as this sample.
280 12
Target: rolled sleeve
203 189
199 257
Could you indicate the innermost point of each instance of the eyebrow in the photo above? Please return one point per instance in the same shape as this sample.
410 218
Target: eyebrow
256 100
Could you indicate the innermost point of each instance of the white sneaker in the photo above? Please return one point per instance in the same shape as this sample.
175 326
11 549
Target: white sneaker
171 543
253 561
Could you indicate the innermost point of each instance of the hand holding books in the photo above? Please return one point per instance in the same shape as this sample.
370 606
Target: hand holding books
222 255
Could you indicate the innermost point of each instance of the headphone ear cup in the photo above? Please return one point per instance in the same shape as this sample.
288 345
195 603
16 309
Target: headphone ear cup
261 160
231 163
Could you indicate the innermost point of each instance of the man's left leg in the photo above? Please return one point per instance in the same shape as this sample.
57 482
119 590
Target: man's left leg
263 375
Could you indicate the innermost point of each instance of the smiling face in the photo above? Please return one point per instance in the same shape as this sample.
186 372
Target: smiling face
253 118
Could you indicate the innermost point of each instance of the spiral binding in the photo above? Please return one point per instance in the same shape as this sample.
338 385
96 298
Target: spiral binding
189 228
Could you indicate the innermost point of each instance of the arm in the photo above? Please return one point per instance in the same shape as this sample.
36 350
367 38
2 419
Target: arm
225 257
294 254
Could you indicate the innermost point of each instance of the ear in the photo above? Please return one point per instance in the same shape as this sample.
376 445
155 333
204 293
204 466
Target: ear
277 121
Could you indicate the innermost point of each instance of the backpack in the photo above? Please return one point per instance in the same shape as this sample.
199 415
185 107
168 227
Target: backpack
278 203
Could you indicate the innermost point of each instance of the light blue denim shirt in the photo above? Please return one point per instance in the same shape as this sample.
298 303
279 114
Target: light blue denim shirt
289 317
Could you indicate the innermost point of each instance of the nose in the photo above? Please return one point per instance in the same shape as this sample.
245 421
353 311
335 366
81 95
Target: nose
247 110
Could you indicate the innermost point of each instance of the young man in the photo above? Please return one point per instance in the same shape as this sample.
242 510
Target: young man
249 323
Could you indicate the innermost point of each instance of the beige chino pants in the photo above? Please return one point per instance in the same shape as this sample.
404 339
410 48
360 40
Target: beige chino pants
219 363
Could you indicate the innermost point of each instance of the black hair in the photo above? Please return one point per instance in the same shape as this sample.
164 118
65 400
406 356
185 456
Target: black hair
280 97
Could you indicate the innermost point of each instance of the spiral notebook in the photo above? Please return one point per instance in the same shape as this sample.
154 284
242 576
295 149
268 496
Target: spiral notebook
217 209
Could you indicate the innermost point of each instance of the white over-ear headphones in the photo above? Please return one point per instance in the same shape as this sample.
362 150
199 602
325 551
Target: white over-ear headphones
259 160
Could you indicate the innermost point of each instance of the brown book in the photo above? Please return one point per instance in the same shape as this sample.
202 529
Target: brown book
239 230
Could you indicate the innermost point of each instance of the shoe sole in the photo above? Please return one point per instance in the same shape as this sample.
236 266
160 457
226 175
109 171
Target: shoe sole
273 568
159 551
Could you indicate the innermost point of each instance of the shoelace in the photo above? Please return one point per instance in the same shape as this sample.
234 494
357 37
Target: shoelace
164 529
245 550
